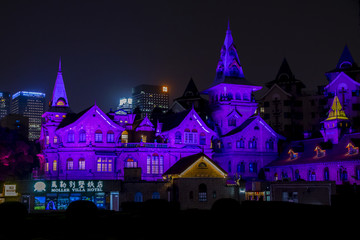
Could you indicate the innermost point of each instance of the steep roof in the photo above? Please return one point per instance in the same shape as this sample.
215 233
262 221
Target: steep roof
336 111
59 98
185 162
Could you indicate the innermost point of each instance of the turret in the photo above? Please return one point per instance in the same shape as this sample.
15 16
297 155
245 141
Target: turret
335 123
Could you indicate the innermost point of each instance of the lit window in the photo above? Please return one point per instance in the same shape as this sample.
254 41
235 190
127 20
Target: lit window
110 137
98 136
82 136
81 164
69 164
54 165
202 193
130 163
70 137
164 89
104 164
190 137
124 137
55 139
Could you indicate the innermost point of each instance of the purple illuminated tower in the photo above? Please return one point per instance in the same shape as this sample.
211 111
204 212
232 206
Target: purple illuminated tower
246 142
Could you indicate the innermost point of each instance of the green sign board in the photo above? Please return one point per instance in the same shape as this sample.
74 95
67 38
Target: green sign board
68 186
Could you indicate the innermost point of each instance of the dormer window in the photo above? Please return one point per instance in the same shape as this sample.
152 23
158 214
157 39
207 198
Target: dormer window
352 150
232 122
292 154
319 152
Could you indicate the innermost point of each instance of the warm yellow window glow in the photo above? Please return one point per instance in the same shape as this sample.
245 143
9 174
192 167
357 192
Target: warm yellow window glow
165 89
54 165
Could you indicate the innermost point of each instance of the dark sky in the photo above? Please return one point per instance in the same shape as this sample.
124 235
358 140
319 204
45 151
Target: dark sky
108 47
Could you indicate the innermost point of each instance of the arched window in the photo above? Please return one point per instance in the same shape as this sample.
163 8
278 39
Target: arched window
240 143
246 97
252 144
269 144
155 164
237 96
178 137
54 165
110 137
124 137
240 167
253 167
55 139
81 164
138 197
155 195
326 174
202 139
161 164
202 193
190 137
297 174
148 164
276 177
98 136
312 175
82 136
70 137
69 164
130 163
357 172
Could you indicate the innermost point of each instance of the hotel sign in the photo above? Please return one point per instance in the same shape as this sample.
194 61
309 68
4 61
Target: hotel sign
68 186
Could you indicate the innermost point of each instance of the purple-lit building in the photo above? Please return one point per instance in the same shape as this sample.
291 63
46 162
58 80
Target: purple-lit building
95 145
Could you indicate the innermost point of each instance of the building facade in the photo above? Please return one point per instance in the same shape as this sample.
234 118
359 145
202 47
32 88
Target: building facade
147 97
5 101
32 106
95 145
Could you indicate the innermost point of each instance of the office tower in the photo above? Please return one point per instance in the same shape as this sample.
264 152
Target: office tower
125 104
4 104
31 105
148 97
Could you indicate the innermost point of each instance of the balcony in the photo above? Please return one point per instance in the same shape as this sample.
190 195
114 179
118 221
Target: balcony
141 144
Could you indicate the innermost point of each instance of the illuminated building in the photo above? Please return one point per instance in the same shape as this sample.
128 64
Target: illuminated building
126 104
344 81
147 97
335 157
95 145
4 104
31 105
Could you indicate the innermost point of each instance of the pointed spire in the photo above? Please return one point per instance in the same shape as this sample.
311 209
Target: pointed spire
229 63
346 60
336 111
59 98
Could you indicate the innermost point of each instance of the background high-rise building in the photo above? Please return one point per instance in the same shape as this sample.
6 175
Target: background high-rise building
4 104
126 104
31 105
148 97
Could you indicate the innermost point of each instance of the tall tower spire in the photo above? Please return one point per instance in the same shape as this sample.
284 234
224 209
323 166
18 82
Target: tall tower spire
59 98
229 63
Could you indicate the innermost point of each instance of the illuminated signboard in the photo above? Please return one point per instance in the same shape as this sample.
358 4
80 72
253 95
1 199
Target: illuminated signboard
69 186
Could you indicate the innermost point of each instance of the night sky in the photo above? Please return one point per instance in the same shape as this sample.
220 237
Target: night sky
108 47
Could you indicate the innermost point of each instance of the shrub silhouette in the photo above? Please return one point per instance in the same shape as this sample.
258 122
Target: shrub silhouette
82 209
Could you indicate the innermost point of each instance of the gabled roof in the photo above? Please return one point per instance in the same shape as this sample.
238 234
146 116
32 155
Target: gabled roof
186 162
273 87
345 75
238 129
72 118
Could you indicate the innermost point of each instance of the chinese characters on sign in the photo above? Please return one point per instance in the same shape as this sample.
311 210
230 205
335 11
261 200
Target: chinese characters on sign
71 186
